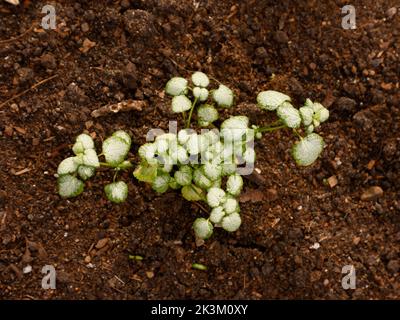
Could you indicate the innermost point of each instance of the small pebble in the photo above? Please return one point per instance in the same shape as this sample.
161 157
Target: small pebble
102 243
332 181
315 246
356 240
372 193
85 27
27 269
390 13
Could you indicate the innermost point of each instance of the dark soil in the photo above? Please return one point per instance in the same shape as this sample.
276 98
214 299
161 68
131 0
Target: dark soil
355 73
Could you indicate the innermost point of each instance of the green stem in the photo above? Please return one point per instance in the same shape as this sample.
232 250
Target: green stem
105 164
270 129
190 114
115 175
279 121
298 134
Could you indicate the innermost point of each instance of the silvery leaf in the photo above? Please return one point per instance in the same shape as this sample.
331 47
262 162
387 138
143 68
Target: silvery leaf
124 136
90 158
207 113
69 186
86 172
217 214
200 79
181 104
231 222
176 86
67 166
270 99
202 228
223 96
115 150
234 184
289 115
215 197
116 192
307 150
200 93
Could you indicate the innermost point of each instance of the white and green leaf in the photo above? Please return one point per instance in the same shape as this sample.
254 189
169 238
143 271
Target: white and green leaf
289 115
307 114
90 158
308 149
67 166
146 172
249 156
234 128
321 114
202 228
207 114
212 171
216 197
69 186
181 104
231 205
217 214
86 172
183 176
115 150
193 145
234 184
161 183
116 192
200 179
83 142
192 193
124 136
271 100
200 93
223 96
147 151
176 86
231 222
173 184
200 79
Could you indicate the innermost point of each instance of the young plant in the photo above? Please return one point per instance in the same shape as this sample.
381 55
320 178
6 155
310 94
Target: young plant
72 170
205 166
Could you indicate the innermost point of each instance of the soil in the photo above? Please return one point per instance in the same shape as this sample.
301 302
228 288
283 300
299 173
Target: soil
300 226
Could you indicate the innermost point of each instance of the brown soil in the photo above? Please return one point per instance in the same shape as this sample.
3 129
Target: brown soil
355 73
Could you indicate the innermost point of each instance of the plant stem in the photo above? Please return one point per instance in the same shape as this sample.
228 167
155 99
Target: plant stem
105 164
115 175
190 114
270 129
298 134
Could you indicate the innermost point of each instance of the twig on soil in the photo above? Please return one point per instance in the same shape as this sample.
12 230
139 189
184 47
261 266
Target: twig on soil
3 219
27 90
18 173
122 106
200 206
256 178
18 37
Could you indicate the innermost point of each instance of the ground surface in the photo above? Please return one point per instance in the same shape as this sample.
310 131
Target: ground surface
275 254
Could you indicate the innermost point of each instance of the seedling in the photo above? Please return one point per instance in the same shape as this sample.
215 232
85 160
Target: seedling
73 171
205 166
199 266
